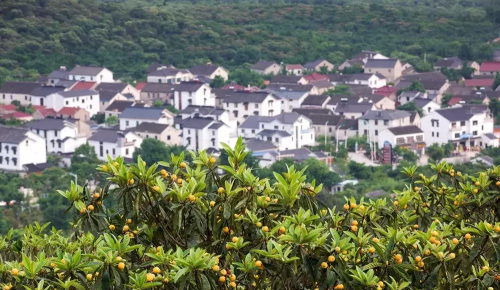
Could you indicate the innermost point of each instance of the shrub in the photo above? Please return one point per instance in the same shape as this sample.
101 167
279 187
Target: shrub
184 226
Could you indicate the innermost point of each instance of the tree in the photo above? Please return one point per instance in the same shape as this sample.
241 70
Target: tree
250 160
496 83
466 53
111 120
416 86
152 150
98 118
435 152
359 170
446 98
217 82
355 69
339 90
158 104
412 107
83 163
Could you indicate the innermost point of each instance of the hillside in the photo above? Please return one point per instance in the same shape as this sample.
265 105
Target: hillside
38 36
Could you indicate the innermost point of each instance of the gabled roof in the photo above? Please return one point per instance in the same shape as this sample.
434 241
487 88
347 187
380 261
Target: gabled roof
66 83
47 112
490 66
70 111
291 95
246 97
86 70
421 102
140 85
385 115
460 113
46 90
119 105
315 100
142 113
59 74
203 110
365 54
8 107
285 79
17 115
298 154
262 65
479 82
353 108
449 62
188 86
308 111
12 135
294 66
147 127
430 80
158 88
339 78
81 85
257 145
291 87
33 168
268 132
252 122
50 124
197 122
79 93
381 63
106 135
18 87
321 119
348 124
166 72
203 70
405 130
116 87
106 96
490 136
313 64
314 77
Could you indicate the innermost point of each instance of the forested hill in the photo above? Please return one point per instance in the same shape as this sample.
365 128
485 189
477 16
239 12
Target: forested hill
37 36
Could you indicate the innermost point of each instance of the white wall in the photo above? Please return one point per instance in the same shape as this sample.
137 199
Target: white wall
53 135
262 109
89 102
105 76
375 127
30 150
8 98
202 97
126 123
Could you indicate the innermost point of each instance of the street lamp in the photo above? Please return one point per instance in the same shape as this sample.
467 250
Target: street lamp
325 131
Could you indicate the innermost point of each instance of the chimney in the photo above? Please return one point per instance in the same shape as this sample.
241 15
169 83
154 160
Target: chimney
343 101
209 63
62 68
379 113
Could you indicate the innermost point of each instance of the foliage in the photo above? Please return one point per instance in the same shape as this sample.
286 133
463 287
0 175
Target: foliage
152 150
437 152
171 109
339 90
111 120
158 104
496 83
83 163
446 98
200 230
407 154
412 107
99 118
217 82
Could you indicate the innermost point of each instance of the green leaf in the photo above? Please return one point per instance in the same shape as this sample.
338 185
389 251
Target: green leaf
227 210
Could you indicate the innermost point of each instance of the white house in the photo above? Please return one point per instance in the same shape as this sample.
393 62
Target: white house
168 134
61 135
290 99
125 89
200 133
408 137
461 126
85 99
374 122
62 74
409 96
294 69
286 130
17 91
373 81
39 94
427 105
117 107
209 71
91 74
263 67
208 112
193 93
133 116
108 97
488 140
353 109
170 75
240 105
114 143
19 146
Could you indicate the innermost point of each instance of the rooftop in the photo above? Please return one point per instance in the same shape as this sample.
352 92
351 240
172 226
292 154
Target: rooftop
12 135
381 63
269 132
315 100
246 97
50 124
257 145
81 85
405 130
490 66
24 88
385 115
313 64
119 105
79 93
142 113
285 79
86 70
262 65
461 113
46 90
148 127
116 87
106 135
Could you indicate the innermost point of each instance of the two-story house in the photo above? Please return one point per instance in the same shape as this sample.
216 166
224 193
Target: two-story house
374 122
294 69
461 126
17 91
318 64
168 134
61 135
200 133
192 93
117 107
409 137
20 146
91 74
373 81
263 67
409 96
490 68
133 116
62 74
123 88
114 143
85 99
170 75
286 130
353 109
39 94
290 99
158 91
209 71
240 105
391 69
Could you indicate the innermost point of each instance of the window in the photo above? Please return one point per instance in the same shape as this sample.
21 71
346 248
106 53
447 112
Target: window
386 122
114 151
432 134
242 130
253 131
168 137
262 126
91 97
457 135
59 144
83 101
25 98
126 151
213 132
156 137
389 70
474 133
256 106
276 139
365 132
90 106
189 131
376 132
437 134
330 129
136 123
376 122
55 133
67 102
462 123
276 127
126 123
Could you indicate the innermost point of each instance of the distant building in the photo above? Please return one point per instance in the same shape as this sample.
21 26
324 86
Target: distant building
18 147
122 88
61 135
294 69
490 68
17 91
240 105
85 99
209 71
192 93
117 107
266 67
163 132
133 116
391 69
408 137
91 74
114 143
374 122
200 133
318 64
170 75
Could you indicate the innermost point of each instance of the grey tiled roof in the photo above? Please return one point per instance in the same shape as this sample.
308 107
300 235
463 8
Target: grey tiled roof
78 93
86 70
315 100
381 63
262 65
459 113
203 70
313 64
196 122
268 132
12 135
404 130
49 124
45 91
256 145
117 87
59 74
242 97
148 127
204 110
285 79
18 87
142 113
106 135
385 115
107 95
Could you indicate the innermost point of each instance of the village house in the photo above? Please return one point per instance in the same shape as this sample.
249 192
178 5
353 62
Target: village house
200 133
108 97
315 101
286 130
309 88
83 85
434 83
209 71
427 105
42 113
163 132
240 105
17 91
117 107
192 93
170 75
217 114
455 63
374 81
85 99
408 137
123 88
263 67
361 58
461 126
133 116
490 68
409 96
346 128
391 69
18 147
7 109
62 74
318 64
351 110
91 74
290 99
325 124
288 80
39 94
480 83
374 122
294 69
61 135
155 91
73 113
113 143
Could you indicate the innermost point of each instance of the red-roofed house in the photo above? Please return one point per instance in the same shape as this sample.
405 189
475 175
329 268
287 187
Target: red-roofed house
315 77
84 86
489 68
294 69
233 86
7 109
43 113
387 91
140 85
484 83
74 113
19 116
